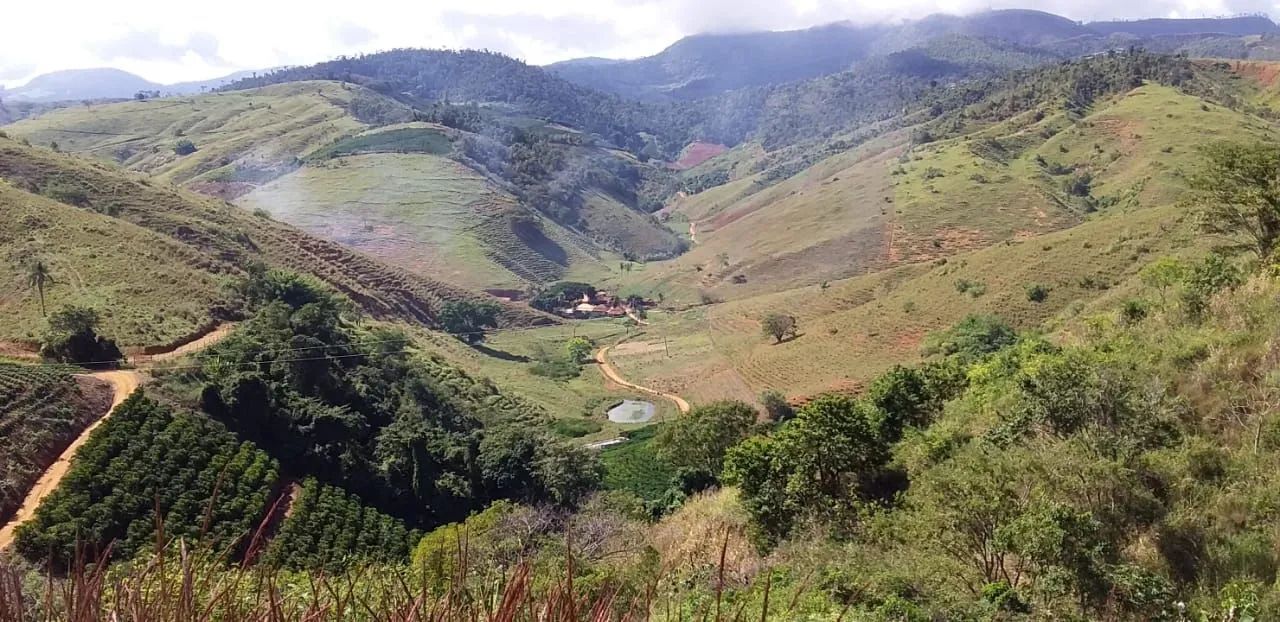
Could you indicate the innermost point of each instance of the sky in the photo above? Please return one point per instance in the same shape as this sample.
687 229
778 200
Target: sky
166 41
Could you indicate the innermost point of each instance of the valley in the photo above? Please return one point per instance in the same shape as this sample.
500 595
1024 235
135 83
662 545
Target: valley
963 317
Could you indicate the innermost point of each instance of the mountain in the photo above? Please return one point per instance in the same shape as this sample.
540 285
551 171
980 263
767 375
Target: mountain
106 83
80 84
704 65
200 86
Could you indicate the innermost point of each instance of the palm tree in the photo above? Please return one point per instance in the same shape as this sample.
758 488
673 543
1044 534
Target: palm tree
38 276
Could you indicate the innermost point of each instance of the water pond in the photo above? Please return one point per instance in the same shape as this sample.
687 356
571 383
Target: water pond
632 411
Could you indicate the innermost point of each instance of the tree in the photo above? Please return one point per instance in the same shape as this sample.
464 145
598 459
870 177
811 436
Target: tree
779 327
973 337
1205 279
39 277
1162 274
1238 192
578 349
776 406
905 398
816 466
700 439
468 319
72 338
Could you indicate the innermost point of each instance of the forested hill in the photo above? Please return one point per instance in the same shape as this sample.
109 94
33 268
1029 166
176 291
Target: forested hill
705 65
495 80
1238 26
872 89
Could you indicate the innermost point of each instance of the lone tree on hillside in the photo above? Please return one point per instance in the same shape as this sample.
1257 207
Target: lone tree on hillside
39 277
468 319
1238 192
779 327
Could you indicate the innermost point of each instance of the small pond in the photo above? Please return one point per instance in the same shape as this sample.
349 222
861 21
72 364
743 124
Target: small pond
632 411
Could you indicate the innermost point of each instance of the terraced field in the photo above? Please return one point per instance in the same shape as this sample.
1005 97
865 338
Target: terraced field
42 409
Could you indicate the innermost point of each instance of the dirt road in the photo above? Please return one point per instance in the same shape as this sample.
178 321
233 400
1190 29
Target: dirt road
214 336
123 384
611 372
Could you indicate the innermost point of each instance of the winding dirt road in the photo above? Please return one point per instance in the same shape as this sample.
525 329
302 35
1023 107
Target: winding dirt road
123 384
611 372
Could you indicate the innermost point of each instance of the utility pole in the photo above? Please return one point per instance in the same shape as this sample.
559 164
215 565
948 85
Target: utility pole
665 348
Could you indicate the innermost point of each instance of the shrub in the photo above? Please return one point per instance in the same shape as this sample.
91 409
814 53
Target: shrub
1133 311
1037 293
184 147
972 337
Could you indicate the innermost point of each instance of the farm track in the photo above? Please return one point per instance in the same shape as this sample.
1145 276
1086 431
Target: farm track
611 372
123 384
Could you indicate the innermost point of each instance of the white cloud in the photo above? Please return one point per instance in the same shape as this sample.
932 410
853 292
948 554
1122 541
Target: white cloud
168 41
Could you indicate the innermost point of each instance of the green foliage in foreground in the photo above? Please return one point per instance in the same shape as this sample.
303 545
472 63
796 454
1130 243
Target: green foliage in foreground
329 528
699 439
205 483
356 408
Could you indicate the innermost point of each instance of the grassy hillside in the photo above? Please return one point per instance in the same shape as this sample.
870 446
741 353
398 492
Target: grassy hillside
423 212
244 137
998 174
153 258
348 165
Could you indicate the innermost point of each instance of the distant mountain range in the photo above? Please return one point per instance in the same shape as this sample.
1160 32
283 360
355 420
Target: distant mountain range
105 83
707 64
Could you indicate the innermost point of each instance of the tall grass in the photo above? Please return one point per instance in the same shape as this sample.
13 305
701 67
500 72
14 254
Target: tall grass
178 582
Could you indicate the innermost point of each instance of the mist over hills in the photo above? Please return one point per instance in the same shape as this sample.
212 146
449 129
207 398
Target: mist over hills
703 65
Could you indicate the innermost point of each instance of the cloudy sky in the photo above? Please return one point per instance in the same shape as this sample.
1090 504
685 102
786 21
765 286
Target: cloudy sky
167 41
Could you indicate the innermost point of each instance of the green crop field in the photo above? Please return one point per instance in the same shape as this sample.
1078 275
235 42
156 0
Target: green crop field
410 138
634 466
